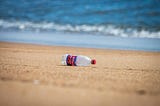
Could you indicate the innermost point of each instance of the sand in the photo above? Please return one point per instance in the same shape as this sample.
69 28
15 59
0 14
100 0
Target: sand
32 75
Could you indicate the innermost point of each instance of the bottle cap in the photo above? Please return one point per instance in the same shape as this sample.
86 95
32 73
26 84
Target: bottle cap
93 61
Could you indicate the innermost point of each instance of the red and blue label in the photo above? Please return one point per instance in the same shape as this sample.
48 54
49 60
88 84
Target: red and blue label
71 60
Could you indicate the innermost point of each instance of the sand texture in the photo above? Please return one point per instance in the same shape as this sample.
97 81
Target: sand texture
32 75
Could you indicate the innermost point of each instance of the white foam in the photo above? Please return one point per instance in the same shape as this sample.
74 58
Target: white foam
101 29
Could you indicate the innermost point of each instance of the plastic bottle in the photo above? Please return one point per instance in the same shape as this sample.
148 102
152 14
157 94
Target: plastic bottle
78 60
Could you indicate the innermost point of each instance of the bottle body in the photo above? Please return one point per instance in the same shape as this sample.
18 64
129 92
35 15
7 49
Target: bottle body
83 60
78 60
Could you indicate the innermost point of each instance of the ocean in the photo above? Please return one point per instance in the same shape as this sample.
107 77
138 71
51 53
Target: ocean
109 24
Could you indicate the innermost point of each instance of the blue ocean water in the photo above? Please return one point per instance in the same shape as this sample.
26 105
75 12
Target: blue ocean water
119 24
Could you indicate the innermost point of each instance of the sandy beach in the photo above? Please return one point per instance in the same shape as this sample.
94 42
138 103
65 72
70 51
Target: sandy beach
32 75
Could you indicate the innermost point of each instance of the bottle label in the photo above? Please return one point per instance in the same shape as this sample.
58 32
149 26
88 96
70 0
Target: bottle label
71 60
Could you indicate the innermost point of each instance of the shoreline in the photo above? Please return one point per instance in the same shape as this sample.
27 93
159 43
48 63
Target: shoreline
80 47
82 40
33 75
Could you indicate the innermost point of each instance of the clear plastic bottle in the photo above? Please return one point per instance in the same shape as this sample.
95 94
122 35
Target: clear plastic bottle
78 60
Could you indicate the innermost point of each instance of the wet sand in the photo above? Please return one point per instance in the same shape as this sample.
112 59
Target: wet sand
32 75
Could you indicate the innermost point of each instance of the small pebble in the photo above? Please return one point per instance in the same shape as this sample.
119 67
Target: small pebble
36 82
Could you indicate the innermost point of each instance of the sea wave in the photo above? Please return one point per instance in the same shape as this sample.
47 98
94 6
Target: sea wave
108 30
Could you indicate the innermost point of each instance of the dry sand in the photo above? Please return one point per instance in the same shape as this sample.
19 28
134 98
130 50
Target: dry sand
32 75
